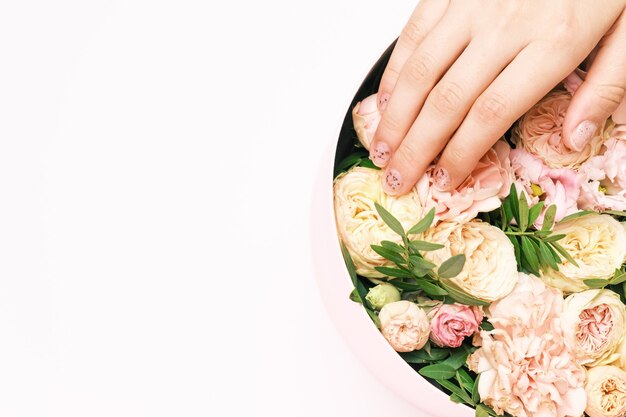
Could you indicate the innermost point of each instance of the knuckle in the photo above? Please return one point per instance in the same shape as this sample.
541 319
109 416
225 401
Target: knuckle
455 156
491 108
610 96
413 33
420 68
408 154
390 125
446 98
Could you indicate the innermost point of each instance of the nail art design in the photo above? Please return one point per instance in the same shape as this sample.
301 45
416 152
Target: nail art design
380 154
383 99
441 178
583 134
393 182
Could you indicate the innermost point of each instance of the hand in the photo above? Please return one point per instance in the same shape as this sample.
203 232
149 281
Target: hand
463 71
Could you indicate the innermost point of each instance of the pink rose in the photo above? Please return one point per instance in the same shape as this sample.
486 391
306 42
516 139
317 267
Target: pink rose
451 323
482 191
539 132
551 185
366 117
574 80
525 367
605 184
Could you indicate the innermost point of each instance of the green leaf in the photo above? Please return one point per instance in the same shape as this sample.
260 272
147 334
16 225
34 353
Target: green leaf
367 163
465 380
374 317
553 238
431 289
389 220
615 213
459 392
438 371
349 264
351 160
389 254
452 266
596 283
517 248
456 399
548 218
507 213
457 358
419 245
423 224
577 215
486 325
461 297
421 266
534 212
392 246
421 356
514 201
618 278
475 393
481 411
530 255
547 258
523 212
560 249
355 296
405 286
394 272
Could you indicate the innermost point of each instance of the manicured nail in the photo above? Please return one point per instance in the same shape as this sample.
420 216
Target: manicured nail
383 99
441 179
582 135
380 154
393 182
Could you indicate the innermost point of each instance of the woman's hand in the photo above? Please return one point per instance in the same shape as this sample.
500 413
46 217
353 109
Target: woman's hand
463 71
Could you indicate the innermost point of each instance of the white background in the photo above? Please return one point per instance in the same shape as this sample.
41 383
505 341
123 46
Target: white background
157 160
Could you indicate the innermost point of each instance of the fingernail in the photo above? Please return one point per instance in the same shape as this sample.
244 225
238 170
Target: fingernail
582 134
380 154
393 182
441 179
383 99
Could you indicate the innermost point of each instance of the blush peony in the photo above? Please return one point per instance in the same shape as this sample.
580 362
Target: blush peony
358 222
606 392
404 325
365 118
450 324
482 191
593 325
525 368
490 270
539 132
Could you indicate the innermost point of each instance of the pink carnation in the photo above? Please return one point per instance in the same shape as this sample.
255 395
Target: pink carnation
365 118
558 186
605 184
524 365
482 191
451 323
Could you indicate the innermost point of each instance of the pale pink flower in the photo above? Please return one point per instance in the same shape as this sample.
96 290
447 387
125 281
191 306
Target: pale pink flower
366 117
574 80
606 392
450 324
482 191
553 186
404 325
605 184
525 367
539 132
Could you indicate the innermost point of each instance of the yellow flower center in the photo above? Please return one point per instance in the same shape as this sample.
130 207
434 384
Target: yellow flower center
536 189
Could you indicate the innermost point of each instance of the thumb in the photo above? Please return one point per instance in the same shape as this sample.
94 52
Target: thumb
601 92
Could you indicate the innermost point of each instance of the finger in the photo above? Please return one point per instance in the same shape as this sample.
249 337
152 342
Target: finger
601 93
424 18
446 106
420 73
520 85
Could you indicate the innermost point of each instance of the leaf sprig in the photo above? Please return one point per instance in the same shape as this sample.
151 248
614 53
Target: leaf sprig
412 272
535 249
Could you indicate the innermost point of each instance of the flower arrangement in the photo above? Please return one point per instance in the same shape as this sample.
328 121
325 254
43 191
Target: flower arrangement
508 293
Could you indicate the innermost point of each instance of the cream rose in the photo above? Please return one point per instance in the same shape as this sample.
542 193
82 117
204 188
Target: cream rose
365 118
404 325
490 270
593 326
606 392
358 222
598 245
539 132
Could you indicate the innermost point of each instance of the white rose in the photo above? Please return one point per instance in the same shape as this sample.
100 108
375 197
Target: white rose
490 270
404 325
597 242
606 392
358 222
593 326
